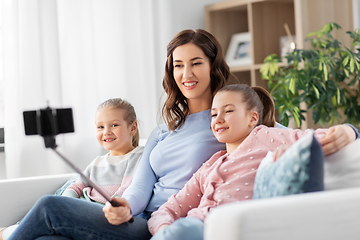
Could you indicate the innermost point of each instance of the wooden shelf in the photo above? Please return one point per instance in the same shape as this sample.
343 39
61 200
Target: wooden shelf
265 19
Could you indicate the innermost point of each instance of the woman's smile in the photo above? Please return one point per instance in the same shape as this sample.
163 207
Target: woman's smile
190 85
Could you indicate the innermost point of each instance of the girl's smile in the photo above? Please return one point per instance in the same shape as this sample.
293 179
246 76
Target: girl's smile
113 132
231 122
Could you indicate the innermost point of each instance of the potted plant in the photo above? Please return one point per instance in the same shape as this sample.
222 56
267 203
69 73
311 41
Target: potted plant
325 77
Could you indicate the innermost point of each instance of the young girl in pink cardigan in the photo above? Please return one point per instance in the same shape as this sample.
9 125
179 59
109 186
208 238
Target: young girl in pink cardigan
243 118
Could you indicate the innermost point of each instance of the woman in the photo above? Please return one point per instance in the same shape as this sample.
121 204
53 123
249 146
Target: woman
195 69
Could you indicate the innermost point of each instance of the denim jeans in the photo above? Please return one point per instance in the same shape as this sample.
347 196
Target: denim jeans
189 228
64 218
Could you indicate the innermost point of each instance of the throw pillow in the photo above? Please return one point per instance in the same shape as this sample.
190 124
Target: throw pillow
298 170
60 190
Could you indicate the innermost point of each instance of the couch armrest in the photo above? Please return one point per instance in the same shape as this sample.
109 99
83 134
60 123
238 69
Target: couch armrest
326 215
19 195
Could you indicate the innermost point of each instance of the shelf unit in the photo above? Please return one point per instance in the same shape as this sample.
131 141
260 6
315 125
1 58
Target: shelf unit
265 19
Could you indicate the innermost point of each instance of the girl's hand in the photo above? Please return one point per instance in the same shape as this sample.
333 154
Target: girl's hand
163 226
117 215
336 138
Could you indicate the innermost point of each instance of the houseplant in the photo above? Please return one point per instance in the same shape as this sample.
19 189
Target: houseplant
325 77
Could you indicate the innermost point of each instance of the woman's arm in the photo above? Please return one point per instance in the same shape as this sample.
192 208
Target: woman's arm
139 192
332 139
136 197
337 137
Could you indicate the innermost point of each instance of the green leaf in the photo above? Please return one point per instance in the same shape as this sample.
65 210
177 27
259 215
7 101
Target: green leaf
320 66
345 61
310 34
316 92
352 65
264 70
325 72
333 100
292 85
297 120
286 120
274 68
357 64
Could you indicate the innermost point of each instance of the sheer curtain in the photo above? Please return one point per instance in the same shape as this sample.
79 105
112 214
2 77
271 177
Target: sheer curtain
78 53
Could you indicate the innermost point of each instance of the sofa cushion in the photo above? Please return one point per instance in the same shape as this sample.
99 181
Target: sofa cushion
298 170
342 169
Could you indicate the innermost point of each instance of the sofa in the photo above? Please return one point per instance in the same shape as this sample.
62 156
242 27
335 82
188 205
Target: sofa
330 214
18 195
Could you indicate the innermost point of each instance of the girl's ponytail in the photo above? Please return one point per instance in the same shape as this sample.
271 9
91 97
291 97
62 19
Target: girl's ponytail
268 113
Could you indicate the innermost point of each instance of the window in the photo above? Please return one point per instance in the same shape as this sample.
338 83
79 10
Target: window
1 88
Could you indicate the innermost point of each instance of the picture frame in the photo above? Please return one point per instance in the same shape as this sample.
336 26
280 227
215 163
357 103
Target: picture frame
238 52
287 45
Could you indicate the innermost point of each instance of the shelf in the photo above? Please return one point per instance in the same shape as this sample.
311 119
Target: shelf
265 19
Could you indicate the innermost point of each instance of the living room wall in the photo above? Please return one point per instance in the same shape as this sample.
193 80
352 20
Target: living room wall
172 17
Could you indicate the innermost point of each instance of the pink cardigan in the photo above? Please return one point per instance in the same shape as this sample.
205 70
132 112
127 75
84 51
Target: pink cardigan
225 178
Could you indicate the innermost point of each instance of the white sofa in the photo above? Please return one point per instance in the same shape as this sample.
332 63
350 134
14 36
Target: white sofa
19 195
332 214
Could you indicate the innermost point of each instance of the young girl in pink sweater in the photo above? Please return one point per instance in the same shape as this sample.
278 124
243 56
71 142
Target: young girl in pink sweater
243 118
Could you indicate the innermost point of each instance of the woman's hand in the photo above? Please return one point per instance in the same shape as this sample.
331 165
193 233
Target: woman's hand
117 215
336 138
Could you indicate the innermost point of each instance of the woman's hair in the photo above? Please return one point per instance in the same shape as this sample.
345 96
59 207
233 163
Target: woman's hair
258 99
129 117
176 107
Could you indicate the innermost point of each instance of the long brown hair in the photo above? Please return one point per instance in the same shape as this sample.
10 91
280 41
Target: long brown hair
129 117
175 108
258 99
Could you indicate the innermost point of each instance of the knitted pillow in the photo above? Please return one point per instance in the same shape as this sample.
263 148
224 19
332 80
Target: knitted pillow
298 170
73 179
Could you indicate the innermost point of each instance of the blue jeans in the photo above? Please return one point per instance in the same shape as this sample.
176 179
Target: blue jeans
64 218
189 228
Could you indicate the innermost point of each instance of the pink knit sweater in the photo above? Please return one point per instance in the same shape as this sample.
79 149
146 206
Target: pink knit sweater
225 178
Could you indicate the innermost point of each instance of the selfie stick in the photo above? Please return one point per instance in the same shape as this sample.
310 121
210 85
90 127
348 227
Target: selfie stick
48 133
90 182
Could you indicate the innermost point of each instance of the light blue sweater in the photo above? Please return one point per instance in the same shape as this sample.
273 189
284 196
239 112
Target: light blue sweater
169 161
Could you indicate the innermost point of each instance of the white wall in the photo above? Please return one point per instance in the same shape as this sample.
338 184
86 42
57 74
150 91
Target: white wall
184 14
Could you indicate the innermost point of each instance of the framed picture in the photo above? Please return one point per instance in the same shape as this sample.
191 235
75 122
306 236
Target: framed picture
238 52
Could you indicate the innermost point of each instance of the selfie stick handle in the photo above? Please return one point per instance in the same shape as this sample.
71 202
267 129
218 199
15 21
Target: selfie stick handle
91 183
